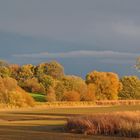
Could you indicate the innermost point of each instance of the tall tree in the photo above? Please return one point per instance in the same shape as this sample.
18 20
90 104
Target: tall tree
106 84
131 87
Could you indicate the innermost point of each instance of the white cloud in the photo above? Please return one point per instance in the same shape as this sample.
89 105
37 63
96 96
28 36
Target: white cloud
81 53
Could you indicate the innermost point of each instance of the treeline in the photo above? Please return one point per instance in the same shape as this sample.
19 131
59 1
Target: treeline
49 79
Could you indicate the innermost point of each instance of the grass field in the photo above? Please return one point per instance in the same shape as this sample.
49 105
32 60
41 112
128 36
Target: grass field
49 123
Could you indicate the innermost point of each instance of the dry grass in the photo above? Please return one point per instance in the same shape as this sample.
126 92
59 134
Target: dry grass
67 104
49 123
90 103
118 102
125 124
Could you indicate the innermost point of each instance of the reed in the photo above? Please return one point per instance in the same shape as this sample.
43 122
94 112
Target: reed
125 124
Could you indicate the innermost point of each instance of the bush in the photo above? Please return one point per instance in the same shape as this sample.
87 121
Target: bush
71 96
11 94
20 98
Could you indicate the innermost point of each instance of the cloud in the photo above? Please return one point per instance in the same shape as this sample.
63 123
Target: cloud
81 53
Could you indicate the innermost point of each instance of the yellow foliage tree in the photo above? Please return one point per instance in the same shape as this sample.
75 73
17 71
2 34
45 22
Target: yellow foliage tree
107 84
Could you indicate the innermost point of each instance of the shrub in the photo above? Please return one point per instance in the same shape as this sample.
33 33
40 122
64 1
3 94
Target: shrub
11 94
71 96
20 98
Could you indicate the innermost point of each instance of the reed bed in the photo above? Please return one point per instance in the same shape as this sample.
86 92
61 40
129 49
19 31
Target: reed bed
125 124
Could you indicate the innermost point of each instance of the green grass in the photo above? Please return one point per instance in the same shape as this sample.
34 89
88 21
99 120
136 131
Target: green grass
38 97
49 123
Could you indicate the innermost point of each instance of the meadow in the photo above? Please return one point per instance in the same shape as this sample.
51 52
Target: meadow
49 123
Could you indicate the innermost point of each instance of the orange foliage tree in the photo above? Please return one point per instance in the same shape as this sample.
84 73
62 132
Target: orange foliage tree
106 84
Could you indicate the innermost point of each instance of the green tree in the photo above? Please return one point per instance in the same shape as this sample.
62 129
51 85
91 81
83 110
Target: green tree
131 87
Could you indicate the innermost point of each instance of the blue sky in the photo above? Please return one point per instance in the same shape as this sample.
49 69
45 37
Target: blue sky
83 35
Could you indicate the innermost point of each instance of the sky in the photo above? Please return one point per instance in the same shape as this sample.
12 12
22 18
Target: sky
83 35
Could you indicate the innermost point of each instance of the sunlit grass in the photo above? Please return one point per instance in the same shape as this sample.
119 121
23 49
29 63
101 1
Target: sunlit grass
49 123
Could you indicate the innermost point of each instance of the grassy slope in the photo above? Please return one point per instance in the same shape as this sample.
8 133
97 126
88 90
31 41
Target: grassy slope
42 124
38 97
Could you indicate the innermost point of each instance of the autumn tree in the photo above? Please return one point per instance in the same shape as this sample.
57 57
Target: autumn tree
47 81
12 94
131 87
14 69
54 69
74 83
90 94
59 90
26 71
39 70
70 83
32 85
4 71
106 84
51 97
